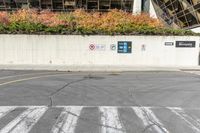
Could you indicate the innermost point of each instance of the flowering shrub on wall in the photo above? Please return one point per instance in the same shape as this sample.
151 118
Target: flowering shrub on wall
115 22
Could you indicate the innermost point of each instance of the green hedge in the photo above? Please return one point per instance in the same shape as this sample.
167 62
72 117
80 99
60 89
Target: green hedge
32 28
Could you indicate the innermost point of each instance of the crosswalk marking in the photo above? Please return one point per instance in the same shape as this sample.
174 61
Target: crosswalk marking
149 119
24 122
110 120
66 122
194 124
5 110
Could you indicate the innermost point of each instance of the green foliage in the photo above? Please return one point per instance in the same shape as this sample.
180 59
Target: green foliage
83 23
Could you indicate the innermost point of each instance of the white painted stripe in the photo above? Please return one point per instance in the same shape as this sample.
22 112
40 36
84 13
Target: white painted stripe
26 74
191 122
67 120
110 120
24 122
30 78
5 110
60 106
149 118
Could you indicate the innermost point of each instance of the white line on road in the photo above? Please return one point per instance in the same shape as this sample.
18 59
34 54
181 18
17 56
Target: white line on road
27 74
110 120
192 123
31 78
67 120
148 118
24 122
5 110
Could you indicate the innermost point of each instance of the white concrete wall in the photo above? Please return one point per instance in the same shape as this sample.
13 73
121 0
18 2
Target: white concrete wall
73 50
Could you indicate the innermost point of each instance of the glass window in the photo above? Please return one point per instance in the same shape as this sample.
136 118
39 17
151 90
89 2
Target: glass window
183 13
145 5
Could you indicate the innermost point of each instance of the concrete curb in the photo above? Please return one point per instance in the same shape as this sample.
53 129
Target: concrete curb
97 68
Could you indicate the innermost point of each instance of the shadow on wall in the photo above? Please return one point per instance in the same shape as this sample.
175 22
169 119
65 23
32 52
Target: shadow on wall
199 58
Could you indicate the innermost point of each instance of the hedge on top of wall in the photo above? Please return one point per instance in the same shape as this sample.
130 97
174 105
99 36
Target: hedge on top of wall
79 22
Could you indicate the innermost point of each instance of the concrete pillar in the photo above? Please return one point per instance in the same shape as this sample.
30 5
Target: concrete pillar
137 6
152 11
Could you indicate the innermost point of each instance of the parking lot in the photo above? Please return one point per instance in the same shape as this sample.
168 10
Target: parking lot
97 102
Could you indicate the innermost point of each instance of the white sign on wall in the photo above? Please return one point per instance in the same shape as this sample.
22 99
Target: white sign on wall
100 47
97 47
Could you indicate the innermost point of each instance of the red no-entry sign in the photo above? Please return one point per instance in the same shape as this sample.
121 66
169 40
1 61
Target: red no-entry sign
92 47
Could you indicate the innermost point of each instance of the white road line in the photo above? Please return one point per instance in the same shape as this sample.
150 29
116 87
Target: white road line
110 120
67 120
148 118
26 74
24 122
5 110
192 122
31 78
63 106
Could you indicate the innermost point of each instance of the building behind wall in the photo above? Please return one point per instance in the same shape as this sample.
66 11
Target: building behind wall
68 5
179 13
184 14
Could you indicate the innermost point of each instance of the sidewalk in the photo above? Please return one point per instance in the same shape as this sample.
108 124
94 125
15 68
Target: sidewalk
98 68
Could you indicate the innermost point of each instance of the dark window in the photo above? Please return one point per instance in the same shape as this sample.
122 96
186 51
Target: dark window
145 5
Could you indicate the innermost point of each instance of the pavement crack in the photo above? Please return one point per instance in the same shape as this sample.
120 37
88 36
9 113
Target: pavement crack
88 77
23 118
60 89
153 123
95 123
148 127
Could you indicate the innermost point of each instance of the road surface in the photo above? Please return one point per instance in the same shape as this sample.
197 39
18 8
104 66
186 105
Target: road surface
112 102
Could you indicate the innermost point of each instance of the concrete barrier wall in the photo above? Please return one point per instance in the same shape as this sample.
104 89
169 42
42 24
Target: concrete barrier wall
73 50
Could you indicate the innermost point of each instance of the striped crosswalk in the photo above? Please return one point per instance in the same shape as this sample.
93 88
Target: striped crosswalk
5 110
110 120
24 122
194 124
67 121
149 118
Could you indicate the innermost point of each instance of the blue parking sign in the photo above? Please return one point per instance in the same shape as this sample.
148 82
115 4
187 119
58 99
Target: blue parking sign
124 47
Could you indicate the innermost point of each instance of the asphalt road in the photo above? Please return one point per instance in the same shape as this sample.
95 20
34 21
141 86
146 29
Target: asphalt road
112 102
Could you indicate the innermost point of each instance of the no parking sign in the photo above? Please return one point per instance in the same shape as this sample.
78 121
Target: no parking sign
92 47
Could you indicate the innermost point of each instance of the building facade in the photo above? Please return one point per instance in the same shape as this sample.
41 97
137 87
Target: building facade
183 14
180 13
68 5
